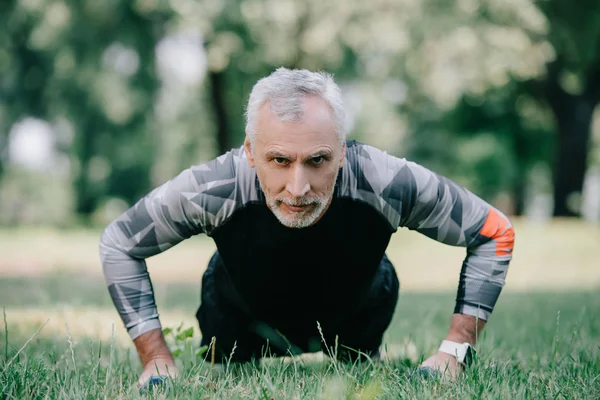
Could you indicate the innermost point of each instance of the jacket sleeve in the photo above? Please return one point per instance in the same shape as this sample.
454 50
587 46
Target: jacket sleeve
444 211
191 203
410 195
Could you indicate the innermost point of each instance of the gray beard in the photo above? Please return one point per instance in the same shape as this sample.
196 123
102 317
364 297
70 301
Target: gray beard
305 218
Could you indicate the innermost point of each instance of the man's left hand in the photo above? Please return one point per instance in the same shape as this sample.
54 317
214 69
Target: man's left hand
444 363
463 328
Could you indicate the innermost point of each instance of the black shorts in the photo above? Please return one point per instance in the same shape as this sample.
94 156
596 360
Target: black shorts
240 337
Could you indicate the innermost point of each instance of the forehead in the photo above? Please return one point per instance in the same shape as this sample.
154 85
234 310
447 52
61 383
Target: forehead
317 128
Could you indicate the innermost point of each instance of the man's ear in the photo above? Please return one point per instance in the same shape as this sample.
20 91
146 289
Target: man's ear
248 150
343 155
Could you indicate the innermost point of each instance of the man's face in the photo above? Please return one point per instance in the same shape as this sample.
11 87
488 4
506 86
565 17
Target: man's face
297 162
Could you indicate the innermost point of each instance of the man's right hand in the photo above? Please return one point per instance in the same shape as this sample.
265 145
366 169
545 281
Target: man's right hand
154 355
162 367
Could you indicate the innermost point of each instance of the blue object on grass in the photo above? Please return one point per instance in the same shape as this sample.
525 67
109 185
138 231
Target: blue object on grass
154 382
426 373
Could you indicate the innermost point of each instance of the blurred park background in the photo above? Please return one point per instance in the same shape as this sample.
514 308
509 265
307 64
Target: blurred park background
101 101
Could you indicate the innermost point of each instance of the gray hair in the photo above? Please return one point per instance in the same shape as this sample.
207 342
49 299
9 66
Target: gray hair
285 90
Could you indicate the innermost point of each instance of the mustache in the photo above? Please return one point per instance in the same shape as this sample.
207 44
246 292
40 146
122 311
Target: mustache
299 202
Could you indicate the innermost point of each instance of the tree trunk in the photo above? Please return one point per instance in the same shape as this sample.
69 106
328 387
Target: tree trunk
3 146
573 114
520 149
574 131
85 199
217 88
519 196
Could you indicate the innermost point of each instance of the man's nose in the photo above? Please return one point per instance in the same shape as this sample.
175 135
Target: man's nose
298 184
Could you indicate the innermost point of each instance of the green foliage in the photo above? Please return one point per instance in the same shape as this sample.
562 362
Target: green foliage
423 81
93 66
181 343
29 378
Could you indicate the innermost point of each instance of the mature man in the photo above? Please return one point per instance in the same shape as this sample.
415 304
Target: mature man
301 219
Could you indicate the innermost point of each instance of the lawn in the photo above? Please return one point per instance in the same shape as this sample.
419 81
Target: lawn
61 338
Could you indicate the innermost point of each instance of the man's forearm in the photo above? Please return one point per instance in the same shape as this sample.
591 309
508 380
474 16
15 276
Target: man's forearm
152 346
465 328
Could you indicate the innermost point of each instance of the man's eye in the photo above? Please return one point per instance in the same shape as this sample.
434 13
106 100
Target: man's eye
280 160
318 160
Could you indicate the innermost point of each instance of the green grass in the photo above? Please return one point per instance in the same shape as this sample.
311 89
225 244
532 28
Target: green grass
542 345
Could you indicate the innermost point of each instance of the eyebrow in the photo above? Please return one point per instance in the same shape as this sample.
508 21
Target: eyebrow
276 154
322 153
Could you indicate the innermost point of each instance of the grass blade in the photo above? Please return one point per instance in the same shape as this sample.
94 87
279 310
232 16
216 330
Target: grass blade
5 334
25 345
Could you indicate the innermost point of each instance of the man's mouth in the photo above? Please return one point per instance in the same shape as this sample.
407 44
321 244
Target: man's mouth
297 207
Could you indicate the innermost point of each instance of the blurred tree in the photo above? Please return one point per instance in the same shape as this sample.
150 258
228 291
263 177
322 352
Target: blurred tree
467 88
23 72
521 137
460 70
249 39
571 88
91 63
537 71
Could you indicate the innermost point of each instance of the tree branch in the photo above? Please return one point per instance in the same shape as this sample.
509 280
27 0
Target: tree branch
556 96
217 91
592 90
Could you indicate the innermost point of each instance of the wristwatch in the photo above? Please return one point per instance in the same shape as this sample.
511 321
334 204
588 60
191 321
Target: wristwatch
463 352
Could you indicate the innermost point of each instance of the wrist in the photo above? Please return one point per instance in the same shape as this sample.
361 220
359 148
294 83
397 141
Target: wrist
461 337
166 358
151 346
465 328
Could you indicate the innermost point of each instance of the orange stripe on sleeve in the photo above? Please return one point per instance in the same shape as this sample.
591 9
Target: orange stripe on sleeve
498 228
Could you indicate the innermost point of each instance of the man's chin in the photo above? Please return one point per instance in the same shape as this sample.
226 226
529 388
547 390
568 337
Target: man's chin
297 221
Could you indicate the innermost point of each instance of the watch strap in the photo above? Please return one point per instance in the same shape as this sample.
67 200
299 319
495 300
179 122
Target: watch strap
462 351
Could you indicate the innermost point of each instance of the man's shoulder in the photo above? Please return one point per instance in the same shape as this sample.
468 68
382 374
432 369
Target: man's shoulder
214 190
373 169
228 175
372 176
365 154
222 168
